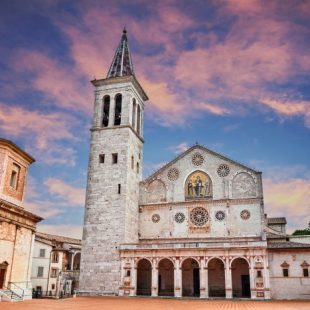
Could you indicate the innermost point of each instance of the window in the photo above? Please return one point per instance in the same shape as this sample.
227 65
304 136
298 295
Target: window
55 257
114 158
53 286
285 272
39 288
305 272
42 252
132 162
40 272
101 159
134 106
14 176
138 120
54 273
138 167
106 111
259 273
119 188
118 110
128 273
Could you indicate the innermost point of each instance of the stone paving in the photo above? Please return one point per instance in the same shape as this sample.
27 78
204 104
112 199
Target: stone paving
117 303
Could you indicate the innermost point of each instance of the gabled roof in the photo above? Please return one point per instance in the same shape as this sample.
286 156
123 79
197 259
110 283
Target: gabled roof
121 64
276 220
56 238
200 147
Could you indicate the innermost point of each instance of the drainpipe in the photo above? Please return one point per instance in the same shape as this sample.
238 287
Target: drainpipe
13 254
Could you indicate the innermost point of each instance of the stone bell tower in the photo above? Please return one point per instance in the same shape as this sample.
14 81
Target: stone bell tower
114 173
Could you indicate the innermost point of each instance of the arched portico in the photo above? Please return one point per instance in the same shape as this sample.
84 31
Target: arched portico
190 277
165 277
144 277
240 278
216 277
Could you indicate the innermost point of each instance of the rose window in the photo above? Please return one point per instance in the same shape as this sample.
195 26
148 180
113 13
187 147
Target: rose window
199 216
155 218
179 217
173 174
220 215
223 170
245 214
197 159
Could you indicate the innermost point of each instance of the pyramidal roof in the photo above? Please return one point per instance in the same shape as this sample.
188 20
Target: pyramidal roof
121 64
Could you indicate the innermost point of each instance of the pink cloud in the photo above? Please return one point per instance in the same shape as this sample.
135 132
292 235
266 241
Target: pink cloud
289 198
72 195
180 148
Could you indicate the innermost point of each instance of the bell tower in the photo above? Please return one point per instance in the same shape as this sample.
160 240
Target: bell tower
114 173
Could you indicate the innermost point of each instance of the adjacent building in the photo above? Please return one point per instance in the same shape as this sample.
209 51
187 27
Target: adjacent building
17 225
196 227
56 265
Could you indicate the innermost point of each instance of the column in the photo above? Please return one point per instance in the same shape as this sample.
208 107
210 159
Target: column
97 111
177 279
112 111
203 280
252 277
72 260
121 287
266 278
154 279
228 280
133 289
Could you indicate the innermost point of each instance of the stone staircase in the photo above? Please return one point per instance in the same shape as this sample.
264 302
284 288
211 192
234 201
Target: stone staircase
8 295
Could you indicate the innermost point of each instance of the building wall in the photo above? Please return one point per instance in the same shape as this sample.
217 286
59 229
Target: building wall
295 286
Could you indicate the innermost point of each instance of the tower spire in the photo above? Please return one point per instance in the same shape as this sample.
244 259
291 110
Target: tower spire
121 64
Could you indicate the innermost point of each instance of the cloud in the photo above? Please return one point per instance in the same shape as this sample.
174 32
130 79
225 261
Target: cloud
41 132
288 198
179 148
71 231
231 127
72 195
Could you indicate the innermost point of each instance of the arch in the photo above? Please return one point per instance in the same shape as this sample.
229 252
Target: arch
133 118
76 261
240 277
144 277
198 185
243 185
138 120
156 191
106 111
216 277
165 277
118 110
185 258
190 277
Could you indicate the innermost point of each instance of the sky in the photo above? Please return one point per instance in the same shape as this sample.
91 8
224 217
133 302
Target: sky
232 75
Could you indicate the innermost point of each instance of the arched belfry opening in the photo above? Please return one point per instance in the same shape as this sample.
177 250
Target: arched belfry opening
138 120
118 110
240 278
198 185
165 278
106 111
190 278
216 278
144 277
134 107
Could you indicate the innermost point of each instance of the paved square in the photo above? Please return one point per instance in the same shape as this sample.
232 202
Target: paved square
117 303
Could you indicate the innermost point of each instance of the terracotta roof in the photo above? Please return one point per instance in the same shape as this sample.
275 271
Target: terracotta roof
203 148
276 220
17 149
58 238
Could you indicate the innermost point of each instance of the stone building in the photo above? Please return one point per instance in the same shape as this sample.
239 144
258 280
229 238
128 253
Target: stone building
55 265
196 227
17 225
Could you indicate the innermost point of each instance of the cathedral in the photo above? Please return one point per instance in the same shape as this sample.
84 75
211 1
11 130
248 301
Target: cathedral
196 227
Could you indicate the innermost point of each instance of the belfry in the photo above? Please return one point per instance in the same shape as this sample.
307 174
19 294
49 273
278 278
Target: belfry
196 227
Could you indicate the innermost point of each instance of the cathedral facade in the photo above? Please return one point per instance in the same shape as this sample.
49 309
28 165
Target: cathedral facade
196 227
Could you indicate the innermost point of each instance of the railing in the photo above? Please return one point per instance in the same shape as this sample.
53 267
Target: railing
16 289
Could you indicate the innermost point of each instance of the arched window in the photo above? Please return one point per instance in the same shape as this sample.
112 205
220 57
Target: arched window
106 110
138 120
118 110
134 105
198 185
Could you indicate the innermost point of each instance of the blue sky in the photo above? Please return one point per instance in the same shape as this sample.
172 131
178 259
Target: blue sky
230 75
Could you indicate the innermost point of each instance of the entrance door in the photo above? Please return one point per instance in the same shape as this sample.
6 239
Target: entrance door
245 282
196 281
2 276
